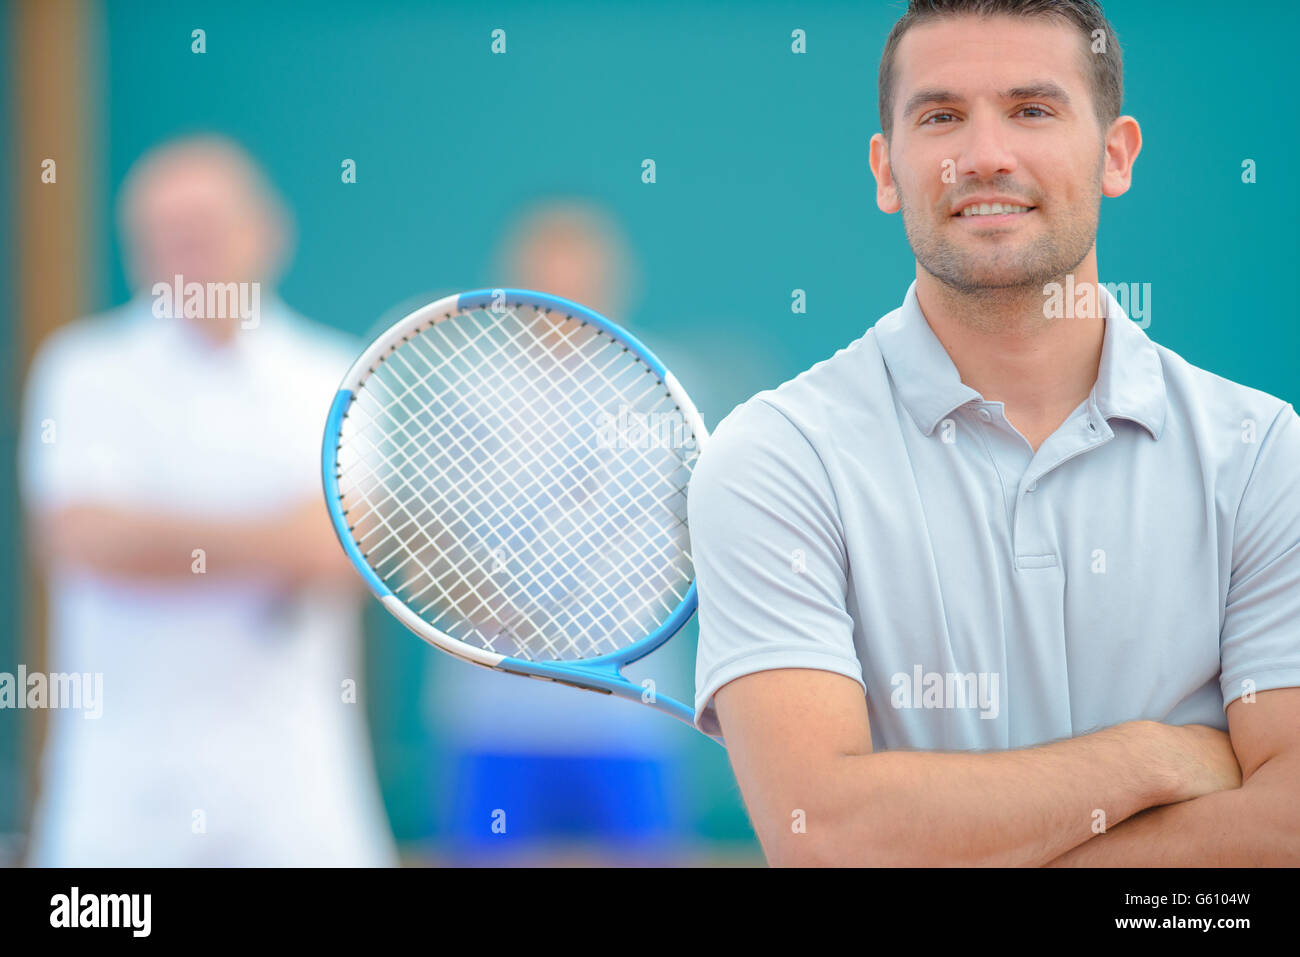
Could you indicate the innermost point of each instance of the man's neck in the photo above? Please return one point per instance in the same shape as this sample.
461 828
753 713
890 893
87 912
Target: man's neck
1005 348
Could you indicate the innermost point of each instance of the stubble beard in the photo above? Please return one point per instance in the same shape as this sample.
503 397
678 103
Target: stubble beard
984 269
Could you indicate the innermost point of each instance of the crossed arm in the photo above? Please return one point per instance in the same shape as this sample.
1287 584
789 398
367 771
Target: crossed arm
800 745
292 547
1255 824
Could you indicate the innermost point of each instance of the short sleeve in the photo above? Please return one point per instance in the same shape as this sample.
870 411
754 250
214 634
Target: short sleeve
1260 642
769 557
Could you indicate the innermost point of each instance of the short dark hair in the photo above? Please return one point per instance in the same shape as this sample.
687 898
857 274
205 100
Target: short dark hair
1107 69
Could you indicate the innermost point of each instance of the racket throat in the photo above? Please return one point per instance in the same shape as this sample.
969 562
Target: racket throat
599 677
572 684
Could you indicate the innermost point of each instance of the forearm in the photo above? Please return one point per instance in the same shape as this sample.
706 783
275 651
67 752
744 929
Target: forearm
1255 825
142 544
1005 808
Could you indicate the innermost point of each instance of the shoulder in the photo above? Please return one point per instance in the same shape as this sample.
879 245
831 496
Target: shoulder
87 347
301 362
310 347
1232 426
1246 441
794 422
825 394
753 441
1209 401
770 450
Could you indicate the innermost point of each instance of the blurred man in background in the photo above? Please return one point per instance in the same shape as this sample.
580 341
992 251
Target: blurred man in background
170 468
581 778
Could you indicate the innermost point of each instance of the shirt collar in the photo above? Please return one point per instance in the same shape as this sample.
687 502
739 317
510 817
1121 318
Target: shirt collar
1130 383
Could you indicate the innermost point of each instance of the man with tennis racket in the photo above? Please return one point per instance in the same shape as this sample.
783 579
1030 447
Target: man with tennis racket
1001 584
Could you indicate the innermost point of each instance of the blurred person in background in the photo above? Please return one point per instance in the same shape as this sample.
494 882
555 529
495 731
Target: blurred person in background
581 778
170 468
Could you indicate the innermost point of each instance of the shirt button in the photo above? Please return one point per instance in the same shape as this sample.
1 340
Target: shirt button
985 415
1031 486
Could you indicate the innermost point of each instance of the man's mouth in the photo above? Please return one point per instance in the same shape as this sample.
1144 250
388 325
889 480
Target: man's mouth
993 214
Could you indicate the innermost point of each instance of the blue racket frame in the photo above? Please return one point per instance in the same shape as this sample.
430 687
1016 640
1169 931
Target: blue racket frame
601 674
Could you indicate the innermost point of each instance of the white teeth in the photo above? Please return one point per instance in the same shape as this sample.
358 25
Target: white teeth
992 209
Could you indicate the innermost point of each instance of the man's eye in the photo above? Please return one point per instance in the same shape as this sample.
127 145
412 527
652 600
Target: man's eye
933 116
1035 106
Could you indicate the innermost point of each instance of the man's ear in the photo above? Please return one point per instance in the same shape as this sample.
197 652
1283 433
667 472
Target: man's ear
886 189
1123 143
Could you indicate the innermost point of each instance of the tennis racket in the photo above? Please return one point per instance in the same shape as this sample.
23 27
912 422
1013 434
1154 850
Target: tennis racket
508 472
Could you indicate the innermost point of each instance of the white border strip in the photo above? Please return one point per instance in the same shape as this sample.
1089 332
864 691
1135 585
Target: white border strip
435 637
445 307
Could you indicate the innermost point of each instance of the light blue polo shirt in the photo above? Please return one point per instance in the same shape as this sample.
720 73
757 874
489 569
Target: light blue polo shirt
877 518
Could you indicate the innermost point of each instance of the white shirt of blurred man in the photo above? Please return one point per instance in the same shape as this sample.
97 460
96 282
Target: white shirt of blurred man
171 474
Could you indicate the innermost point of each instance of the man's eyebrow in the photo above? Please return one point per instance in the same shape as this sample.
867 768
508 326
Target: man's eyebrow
1037 90
923 97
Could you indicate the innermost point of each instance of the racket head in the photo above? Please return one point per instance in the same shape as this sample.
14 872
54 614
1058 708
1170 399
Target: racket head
557 337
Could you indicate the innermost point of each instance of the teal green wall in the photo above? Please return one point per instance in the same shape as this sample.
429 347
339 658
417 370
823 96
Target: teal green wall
763 186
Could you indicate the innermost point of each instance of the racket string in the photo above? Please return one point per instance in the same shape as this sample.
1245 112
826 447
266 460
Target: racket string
501 399
427 505
623 574
387 408
572 572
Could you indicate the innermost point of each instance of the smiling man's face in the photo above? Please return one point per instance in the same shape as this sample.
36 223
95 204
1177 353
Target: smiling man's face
986 109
